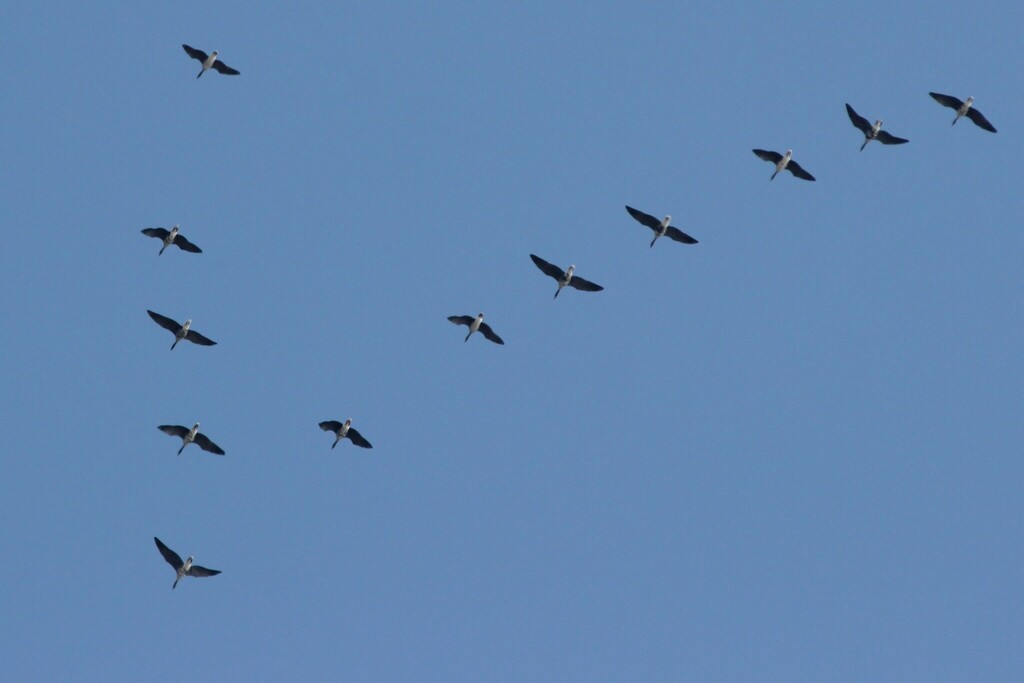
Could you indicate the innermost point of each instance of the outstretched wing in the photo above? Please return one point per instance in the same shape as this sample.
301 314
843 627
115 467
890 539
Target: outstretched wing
486 330
224 68
185 245
172 557
461 319
159 233
330 426
194 53
980 120
679 236
584 285
798 170
175 430
887 139
197 338
947 100
204 442
200 572
548 269
773 157
357 438
859 121
164 322
644 218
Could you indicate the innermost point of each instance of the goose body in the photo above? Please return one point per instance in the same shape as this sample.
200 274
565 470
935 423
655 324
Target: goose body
475 324
872 132
172 236
344 430
209 61
964 108
182 569
661 227
565 278
783 162
180 331
188 436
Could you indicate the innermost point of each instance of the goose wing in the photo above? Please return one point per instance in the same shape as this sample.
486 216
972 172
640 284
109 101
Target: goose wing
773 157
549 269
224 68
185 245
175 430
165 322
947 100
584 285
204 442
172 557
159 233
197 338
194 53
644 218
330 426
357 438
200 572
859 121
798 170
679 236
980 120
486 330
889 139
462 319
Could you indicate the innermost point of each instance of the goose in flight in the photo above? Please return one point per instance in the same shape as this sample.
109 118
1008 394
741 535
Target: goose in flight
170 237
783 163
188 436
185 568
344 430
180 331
964 109
475 324
565 278
660 227
874 132
209 61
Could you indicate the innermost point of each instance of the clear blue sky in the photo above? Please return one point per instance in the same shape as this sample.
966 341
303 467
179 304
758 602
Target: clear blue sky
789 453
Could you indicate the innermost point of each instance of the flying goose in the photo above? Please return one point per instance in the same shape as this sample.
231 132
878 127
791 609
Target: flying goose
170 237
964 109
180 331
188 436
660 227
185 568
209 61
783 163
874 132
475 324
345 430
566 277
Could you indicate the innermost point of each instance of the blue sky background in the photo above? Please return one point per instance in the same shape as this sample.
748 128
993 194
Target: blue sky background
789 453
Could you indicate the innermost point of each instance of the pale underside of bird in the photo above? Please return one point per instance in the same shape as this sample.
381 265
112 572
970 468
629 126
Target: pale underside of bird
172 236
209 61
182 569
964 109
872 132
344 430
188 436
565 278
180 331
783 162
475 324
661 227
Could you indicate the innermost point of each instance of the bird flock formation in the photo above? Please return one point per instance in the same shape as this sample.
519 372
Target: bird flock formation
564 278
